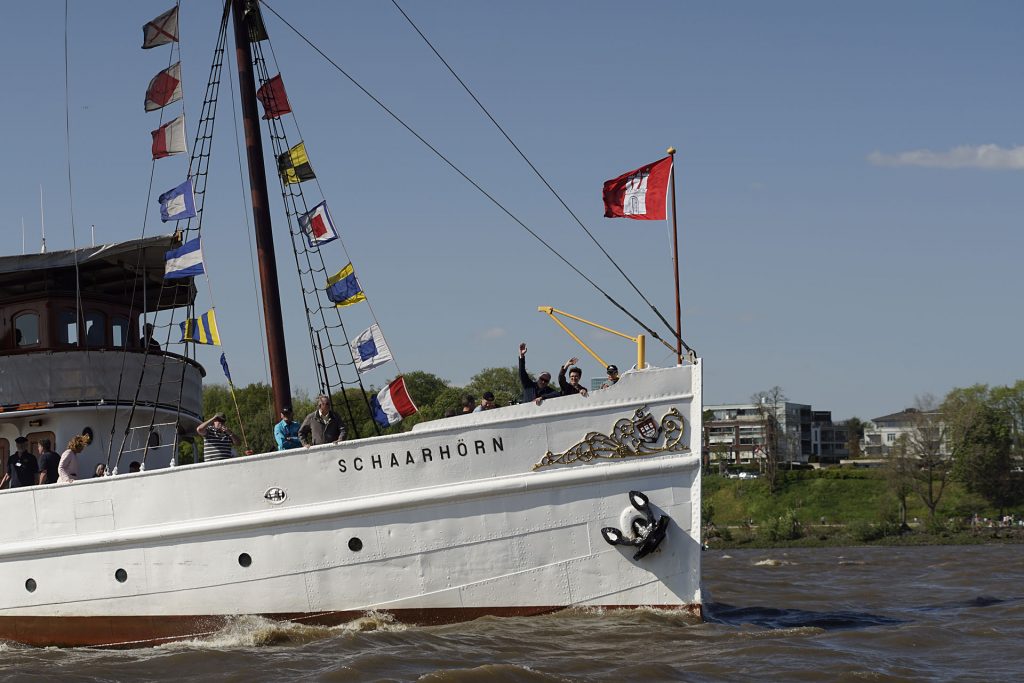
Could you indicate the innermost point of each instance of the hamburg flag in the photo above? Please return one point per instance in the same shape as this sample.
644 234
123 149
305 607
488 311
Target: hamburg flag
639 194
169 139
369 349
162 30
343 288
392 404
201 330
294 166
185 261
274 98
178 203
318 226
164 88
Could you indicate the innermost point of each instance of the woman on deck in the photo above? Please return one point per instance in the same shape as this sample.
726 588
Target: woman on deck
67 469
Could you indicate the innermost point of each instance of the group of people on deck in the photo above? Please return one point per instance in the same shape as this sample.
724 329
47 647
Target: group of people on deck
324 425
25 469
541 389
321 426
537 391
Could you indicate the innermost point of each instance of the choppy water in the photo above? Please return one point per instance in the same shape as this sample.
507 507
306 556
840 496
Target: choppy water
875 614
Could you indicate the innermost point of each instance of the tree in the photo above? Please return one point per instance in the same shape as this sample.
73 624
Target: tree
981 441
900 470
504 382
1010 400
768 403
855 432
925 444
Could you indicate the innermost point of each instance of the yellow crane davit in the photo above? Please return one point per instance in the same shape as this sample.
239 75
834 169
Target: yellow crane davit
639 340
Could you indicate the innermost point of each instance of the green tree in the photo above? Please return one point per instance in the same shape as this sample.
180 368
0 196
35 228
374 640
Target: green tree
504 382
1010 400
855 432
981 443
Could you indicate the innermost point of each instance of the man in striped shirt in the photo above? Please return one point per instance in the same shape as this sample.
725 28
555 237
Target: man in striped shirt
217 439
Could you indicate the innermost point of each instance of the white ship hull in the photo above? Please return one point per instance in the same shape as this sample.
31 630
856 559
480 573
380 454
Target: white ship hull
447 522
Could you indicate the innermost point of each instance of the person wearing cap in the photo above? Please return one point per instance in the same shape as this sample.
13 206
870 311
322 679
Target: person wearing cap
534 391
572 386
286 432
22 466
218 440
323 425
613 376
486 403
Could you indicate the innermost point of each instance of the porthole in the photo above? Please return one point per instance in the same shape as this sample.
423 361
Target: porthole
354 544
244 560
30 585
121 575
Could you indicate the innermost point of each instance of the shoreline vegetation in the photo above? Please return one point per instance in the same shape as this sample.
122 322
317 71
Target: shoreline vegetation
843 507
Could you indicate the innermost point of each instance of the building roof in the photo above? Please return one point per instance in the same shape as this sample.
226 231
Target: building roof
122 271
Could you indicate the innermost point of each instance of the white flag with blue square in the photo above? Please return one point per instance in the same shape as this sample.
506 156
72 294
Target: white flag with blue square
369 349
178 203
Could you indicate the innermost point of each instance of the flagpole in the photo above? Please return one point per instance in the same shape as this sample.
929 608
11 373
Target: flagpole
675 259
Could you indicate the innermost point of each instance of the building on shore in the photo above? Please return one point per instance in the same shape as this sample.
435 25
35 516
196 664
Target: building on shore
743 433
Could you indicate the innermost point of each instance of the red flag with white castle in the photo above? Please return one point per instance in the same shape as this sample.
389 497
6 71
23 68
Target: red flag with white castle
169 138
639 194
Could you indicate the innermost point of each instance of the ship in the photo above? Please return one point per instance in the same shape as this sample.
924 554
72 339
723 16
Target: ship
577 502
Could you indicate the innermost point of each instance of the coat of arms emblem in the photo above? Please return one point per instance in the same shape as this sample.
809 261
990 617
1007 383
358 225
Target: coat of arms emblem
646 426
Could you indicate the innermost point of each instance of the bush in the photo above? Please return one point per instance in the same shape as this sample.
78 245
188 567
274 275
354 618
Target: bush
783 528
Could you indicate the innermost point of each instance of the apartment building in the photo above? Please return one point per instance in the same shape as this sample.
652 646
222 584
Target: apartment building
738 433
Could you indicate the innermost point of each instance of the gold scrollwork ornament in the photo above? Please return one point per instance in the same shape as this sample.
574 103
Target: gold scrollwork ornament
630 437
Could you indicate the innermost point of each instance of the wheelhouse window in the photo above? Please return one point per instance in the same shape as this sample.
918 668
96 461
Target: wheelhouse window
95 329
26 329
119 328
67 328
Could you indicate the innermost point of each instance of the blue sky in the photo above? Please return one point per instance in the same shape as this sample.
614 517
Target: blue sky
849 177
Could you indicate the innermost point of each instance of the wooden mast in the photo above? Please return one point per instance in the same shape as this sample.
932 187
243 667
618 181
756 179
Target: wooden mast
261 212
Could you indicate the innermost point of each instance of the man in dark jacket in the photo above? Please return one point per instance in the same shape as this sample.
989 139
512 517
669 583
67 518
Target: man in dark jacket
22 466
534 391
48 461
322 426
572 386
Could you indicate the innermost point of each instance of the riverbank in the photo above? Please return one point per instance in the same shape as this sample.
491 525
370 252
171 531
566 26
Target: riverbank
831 536
843 507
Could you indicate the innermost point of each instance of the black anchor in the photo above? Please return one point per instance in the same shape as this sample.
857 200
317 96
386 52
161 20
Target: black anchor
647 536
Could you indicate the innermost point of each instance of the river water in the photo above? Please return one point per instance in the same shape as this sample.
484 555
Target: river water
940 613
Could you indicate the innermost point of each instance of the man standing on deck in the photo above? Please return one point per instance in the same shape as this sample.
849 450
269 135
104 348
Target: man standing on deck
48 461
286 432
218 440
534 391
322 426
22 467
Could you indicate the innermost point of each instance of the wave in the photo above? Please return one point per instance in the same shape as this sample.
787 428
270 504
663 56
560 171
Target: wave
255 631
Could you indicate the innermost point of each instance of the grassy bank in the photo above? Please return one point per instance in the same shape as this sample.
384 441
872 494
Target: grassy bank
839 507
